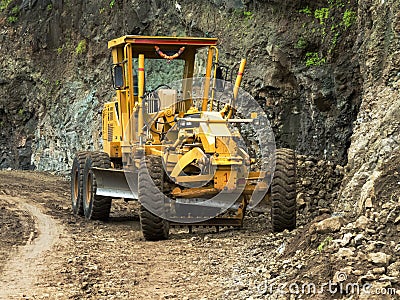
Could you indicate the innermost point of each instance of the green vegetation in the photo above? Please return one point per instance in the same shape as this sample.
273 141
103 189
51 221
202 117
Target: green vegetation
301 43
240 13
324 243
4 4
313 59
21 112
349 18
306 11
328 22
321 14
334 39
59 50
112 3
49 7
248 15
81 48
336 3
12 19
15 10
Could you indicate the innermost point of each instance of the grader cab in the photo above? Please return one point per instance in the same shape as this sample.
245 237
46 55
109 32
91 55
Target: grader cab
174 138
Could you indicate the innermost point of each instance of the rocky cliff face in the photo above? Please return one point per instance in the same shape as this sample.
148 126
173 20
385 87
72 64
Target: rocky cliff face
302 68
310 66
373 170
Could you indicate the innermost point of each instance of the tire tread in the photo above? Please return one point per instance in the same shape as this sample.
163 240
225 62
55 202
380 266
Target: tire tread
283 191
151 175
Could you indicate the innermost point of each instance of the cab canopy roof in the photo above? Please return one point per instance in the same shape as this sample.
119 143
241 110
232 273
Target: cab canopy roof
146 44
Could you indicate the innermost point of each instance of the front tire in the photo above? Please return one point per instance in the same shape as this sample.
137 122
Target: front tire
151 198
77 182
95 207
283 191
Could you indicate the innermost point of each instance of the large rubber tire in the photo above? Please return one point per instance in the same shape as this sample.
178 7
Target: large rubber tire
95 207
283 191
151 198
77 182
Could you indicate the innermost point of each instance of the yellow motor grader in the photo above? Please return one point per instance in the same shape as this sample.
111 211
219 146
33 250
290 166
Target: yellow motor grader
174 138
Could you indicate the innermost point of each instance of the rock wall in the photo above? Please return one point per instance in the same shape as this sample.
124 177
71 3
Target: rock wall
54 72
373 171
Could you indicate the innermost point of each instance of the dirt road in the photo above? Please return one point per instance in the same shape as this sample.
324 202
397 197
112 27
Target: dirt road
47 253
50 254
21 270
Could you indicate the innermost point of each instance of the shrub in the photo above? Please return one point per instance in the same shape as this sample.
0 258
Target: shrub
349 18
4 4
313 59
12 19
301 43
81 48
322 14
306 11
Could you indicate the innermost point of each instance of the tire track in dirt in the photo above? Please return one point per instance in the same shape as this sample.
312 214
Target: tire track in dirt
28 261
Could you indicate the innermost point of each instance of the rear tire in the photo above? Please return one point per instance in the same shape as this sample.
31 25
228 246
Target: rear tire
77 182
151 198
95 207
283 191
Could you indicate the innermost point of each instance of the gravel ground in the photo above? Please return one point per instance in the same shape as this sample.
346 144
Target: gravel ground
111 260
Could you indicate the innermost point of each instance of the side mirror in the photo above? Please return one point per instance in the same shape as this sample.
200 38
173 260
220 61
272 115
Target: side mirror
117 74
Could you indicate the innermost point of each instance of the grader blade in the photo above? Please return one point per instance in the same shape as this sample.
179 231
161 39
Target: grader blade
208 204
114 183
224 222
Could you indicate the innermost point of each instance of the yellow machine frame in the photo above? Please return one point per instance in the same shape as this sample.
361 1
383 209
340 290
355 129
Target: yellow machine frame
119 136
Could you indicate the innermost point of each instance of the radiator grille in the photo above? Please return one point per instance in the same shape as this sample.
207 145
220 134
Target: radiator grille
110 132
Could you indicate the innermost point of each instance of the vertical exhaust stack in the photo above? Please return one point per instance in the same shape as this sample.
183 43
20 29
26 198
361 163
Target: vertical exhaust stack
208 77
140 98
237 86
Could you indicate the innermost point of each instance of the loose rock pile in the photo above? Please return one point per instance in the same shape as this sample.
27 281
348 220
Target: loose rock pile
330 255
331 258
318 184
